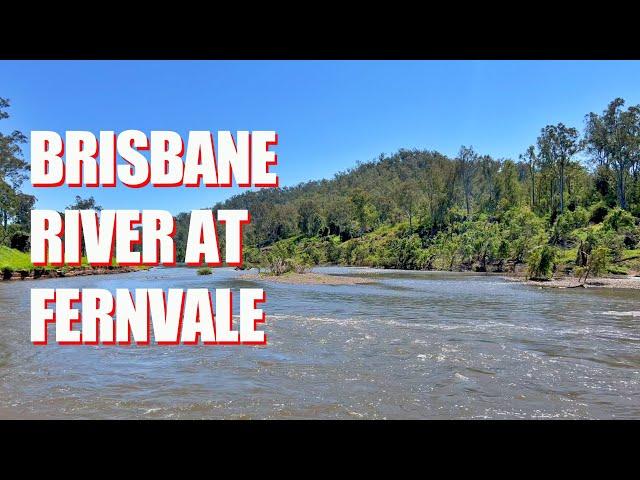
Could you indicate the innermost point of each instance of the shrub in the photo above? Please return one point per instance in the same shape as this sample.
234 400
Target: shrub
599 261
623 223
523 231
598 212
564 229
7 272
204 271
619 220
540 262
597 264
405 252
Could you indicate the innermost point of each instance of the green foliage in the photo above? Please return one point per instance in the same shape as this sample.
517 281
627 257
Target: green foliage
541 262
404 252
14 205
524 231
290 256
204 271
597 264
619 220
277 258
613 140
84 204
599 261
563 231
598 212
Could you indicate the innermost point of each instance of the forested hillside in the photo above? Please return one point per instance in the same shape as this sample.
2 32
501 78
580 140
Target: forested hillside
571 200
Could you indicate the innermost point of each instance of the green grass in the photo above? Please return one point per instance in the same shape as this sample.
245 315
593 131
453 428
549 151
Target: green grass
631 260
567 255
631 253
14 260
618 270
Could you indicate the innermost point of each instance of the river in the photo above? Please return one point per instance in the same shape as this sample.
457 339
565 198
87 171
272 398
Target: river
410 345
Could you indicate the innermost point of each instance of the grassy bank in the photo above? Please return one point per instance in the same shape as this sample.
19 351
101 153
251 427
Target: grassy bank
14 260
15 264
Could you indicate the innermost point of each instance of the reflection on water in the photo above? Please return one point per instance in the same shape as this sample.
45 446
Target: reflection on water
411 345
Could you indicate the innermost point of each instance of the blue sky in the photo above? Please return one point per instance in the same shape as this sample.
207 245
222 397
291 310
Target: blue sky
328 115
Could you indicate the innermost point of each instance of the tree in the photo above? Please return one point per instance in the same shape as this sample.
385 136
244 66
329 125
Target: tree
540 262
467 163
13 168
558 144
407 196
13 171
439 180
531 159
7 205
84 204
489 170
310 220
596 263
364 212
508 185
613 139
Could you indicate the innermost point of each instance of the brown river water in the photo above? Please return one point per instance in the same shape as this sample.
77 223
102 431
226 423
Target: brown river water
410 345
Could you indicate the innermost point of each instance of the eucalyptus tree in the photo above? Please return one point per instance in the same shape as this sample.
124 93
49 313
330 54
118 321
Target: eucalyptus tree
467 164
439 180
558 144
531 159
508 187
84 204
408 198
13 171
489 170
13 168
613 140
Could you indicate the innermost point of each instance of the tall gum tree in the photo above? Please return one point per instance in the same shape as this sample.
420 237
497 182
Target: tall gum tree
531 159
613 140
467 164
13 171
558 144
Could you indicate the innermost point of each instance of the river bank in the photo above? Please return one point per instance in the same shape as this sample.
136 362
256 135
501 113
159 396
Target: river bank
572 282
315 278
631 281
308 278
66 272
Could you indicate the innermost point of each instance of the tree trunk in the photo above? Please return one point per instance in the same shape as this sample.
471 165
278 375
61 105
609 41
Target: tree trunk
466 198
622 201
533 189
561 187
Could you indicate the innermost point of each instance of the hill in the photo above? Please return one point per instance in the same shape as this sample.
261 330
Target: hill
418 209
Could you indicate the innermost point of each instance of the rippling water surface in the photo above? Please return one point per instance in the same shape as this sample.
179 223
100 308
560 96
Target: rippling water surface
410 345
